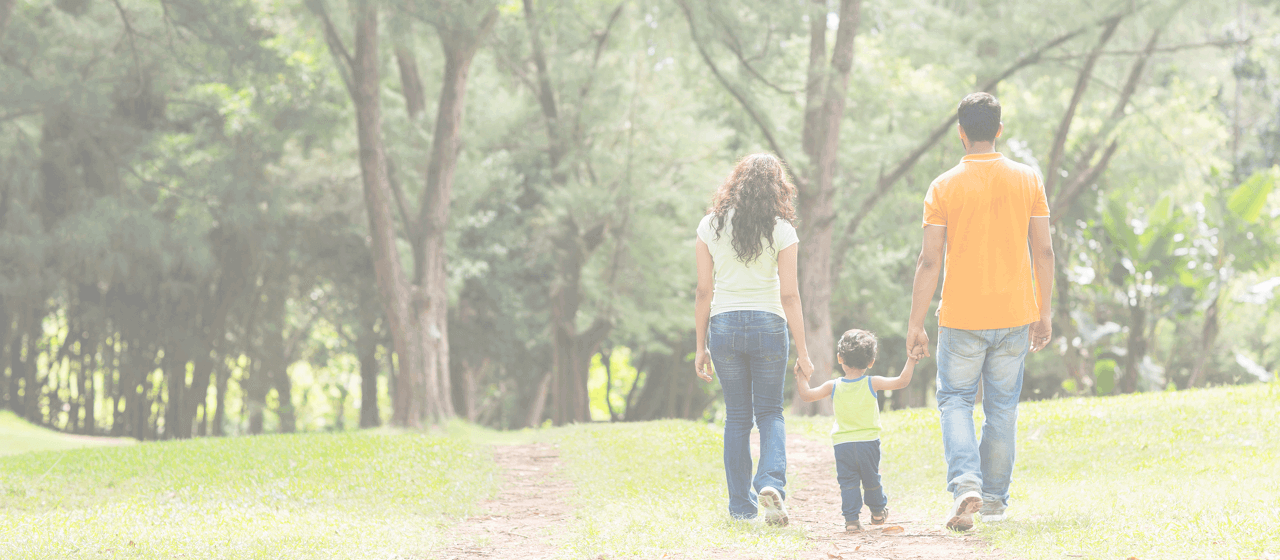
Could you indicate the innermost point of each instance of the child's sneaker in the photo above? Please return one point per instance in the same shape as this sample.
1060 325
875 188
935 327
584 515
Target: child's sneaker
854 526
991 512
878 517
775 511
960 517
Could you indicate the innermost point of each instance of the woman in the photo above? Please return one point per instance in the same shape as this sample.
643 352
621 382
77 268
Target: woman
747 300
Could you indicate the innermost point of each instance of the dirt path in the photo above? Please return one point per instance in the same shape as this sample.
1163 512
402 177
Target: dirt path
814 505
516 522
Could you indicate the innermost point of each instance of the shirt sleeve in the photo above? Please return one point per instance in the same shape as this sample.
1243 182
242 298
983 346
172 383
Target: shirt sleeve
784 235
1039 202
705 231
935 212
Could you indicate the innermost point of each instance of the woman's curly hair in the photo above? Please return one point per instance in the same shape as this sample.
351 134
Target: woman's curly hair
857 348
759 192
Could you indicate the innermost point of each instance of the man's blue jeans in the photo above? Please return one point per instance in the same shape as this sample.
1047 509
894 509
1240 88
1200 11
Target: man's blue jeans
995 358
749 351
859 462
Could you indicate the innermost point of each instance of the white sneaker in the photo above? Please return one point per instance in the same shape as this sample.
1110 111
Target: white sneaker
775 511
991 512
960 517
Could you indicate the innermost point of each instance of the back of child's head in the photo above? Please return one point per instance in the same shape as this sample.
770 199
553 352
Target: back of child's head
857 348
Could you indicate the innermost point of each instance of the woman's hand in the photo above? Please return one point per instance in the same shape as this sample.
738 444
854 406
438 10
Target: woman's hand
804 368
702 365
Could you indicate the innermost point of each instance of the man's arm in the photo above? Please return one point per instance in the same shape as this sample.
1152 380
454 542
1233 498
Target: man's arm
702 311
1042 260
926 283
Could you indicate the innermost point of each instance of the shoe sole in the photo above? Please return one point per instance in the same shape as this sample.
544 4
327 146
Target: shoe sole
991 518
775 511
962 516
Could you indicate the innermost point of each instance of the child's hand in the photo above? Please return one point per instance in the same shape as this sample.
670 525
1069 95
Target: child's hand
801 375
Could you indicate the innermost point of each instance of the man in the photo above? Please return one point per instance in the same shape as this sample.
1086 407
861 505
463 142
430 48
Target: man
995 305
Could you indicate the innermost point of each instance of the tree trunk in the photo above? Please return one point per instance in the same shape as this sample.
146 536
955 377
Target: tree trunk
1208 335
220 398
368 357
174 366
1137 348
536 408
815 210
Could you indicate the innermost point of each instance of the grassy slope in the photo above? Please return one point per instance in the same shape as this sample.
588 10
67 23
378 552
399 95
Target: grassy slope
1188 475
1191 474
18 436
353 495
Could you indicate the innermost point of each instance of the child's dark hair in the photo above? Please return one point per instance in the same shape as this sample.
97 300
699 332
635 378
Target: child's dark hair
857 348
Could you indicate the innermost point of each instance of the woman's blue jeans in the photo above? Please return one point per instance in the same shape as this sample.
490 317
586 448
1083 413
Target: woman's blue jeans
995 359
749 351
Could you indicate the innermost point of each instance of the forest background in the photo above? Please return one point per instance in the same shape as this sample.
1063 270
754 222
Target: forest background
247 216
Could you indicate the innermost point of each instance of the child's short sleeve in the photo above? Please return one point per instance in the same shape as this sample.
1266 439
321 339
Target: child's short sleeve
1039 202
935 212
784 235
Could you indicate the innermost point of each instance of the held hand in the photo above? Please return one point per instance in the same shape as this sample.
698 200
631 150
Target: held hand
702 366
917 343
804 368
1041 334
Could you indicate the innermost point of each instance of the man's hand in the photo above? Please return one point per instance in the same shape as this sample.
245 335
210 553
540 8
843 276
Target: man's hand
917 343
702 365
804 368
1041 333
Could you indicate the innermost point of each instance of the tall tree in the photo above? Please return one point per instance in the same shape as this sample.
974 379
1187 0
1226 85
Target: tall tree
416 307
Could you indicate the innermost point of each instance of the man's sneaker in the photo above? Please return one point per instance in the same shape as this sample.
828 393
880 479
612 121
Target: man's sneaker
854 526
960 517
878 517
991 512
775 512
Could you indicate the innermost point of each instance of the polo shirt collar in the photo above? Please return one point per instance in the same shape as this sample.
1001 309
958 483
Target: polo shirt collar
983 157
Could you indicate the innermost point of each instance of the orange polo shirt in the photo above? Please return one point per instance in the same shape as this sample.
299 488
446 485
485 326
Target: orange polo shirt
986 203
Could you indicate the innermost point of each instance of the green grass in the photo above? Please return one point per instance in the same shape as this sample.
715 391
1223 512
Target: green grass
19 436
353 495
651 488
1189 474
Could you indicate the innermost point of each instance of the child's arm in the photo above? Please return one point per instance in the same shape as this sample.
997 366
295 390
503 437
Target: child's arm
880 383
809 394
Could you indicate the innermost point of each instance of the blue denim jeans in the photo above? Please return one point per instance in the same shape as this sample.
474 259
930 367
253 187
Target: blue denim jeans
859 461
749 351
995 358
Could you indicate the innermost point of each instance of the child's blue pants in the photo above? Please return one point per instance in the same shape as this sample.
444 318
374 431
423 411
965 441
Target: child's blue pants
859 462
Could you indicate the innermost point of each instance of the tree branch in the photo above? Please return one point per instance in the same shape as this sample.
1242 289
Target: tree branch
735 46
886 182
1058 152
345 61
751 110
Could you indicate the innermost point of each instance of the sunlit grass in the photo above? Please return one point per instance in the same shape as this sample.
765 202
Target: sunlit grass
356 495
651 488
1188 474
19 436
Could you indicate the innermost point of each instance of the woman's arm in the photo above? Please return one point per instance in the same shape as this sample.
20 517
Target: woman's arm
790 288
903 379
702 310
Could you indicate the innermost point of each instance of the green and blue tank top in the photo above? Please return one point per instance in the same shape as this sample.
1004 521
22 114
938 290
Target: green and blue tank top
857 411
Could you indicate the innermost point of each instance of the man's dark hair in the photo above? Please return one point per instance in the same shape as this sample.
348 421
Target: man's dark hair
980 116
857 348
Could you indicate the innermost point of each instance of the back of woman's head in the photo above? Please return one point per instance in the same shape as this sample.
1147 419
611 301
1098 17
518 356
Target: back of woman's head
759 193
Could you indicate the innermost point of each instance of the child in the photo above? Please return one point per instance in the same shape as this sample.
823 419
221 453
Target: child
856 433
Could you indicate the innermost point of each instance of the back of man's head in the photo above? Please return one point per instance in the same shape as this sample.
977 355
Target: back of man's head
980 116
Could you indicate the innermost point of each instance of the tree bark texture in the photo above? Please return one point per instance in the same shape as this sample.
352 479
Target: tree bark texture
815 209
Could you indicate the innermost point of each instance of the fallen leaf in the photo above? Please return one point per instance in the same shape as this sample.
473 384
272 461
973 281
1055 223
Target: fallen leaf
1132 558
834 556
893 530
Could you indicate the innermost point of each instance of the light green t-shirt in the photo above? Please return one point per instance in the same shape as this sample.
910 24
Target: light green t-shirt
740 286
857 411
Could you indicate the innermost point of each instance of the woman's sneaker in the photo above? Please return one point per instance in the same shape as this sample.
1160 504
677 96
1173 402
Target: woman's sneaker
960 517
775 512
991 512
